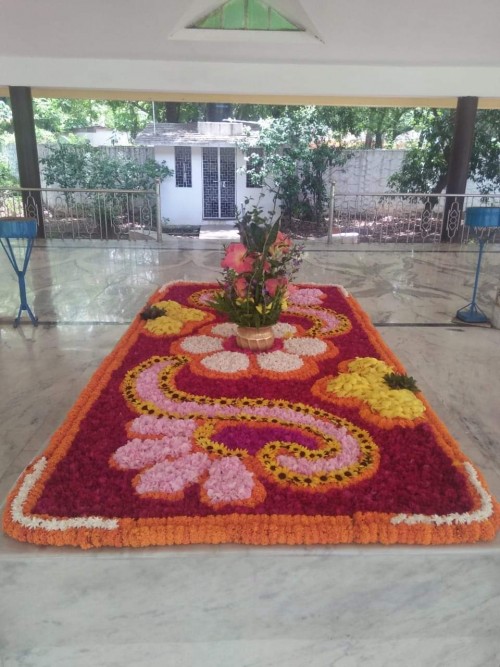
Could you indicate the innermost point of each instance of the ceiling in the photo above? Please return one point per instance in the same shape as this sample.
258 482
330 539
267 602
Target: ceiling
365 49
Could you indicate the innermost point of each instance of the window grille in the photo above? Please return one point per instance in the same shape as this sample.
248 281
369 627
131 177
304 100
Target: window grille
183 167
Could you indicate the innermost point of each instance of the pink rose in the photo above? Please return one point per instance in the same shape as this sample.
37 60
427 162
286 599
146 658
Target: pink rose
241 287
273 284
282 244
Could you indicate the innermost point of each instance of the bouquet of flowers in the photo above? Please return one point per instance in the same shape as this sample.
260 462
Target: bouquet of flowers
257 272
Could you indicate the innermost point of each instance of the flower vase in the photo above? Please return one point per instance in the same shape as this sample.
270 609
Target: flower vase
255 338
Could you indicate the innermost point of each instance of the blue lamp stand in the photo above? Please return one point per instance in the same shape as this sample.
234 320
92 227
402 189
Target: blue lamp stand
483 221
19 228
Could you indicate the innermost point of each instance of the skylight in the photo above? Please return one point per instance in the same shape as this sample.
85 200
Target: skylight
246 15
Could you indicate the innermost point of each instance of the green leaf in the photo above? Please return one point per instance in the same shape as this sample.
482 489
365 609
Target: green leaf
400 381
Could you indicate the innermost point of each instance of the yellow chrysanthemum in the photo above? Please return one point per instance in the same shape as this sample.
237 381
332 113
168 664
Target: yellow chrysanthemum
174 319
365 380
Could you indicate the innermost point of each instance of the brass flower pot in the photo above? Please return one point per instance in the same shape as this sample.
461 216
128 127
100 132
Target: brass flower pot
255 338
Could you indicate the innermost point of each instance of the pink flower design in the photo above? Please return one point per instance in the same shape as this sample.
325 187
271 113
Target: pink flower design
307 296
236 258
168 463
229 481
173 476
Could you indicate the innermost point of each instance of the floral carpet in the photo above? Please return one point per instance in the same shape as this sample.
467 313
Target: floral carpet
181 437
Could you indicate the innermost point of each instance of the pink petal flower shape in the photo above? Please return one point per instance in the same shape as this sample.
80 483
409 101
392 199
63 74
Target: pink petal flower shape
138 453
306 296
237 259
173 476
151 425
228 481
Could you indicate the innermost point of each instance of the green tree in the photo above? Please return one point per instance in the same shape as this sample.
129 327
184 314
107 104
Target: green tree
5 117
62 115
297 151
425 166
82 166
7 178
87 167
130 117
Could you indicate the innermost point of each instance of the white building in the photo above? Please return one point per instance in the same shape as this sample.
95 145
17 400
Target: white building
210 182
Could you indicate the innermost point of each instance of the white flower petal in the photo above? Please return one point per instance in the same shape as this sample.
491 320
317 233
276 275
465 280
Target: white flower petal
279 362
225 330
227 362
201 344
283 330
305 347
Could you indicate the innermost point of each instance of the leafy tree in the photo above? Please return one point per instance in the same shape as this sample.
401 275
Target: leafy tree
128 117
87 167
5 118
425 166
62 115
297 151
7 178
374 127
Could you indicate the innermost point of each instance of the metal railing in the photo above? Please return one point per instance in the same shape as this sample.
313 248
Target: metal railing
73 213
406 217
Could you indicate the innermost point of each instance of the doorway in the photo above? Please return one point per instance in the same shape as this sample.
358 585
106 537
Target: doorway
219 183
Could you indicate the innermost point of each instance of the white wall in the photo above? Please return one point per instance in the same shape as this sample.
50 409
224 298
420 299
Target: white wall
184 206
367 171
266 202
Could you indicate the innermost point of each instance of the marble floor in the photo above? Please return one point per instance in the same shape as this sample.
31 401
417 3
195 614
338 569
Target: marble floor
232 606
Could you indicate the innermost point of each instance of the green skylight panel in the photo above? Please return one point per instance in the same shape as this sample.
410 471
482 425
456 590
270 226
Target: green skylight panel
245 15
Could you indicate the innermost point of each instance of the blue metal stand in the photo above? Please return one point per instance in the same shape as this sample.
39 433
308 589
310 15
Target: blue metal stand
19 228
471 312
483 221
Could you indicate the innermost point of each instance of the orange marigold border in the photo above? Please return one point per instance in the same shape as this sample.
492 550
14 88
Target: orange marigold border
361 527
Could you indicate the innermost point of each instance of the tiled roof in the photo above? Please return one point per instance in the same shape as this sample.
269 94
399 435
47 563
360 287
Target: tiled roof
187 134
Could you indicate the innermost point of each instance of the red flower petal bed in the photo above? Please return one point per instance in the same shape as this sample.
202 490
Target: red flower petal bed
181 437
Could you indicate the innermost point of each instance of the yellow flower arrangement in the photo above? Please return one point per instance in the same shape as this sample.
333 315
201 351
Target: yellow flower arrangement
366 381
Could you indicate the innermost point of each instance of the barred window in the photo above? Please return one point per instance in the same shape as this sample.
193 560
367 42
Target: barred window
183 167
254 165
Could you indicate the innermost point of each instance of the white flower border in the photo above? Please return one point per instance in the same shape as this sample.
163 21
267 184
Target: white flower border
481 514
33 521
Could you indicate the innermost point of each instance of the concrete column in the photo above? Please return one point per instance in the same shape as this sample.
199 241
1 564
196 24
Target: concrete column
461 149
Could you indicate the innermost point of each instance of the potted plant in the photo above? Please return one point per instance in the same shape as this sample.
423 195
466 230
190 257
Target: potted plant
257 276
